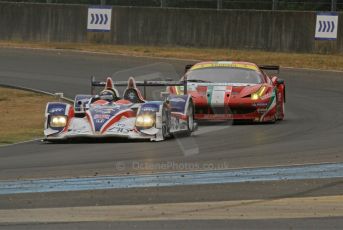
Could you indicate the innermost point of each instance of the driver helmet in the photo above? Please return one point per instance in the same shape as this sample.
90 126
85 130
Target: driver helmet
107 95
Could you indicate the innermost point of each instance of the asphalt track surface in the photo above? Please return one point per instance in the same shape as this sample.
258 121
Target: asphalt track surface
311 133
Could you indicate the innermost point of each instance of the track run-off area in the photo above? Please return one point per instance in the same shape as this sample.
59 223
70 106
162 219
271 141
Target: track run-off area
298 158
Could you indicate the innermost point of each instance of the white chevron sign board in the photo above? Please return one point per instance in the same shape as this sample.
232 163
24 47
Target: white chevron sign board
326 26
99 18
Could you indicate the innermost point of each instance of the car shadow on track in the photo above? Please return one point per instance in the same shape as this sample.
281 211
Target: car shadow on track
93 141
83 140
232 123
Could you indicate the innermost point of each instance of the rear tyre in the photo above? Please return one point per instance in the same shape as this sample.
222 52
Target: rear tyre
273 121
281 110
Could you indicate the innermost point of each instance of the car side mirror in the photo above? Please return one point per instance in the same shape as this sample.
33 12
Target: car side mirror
277 81
280 81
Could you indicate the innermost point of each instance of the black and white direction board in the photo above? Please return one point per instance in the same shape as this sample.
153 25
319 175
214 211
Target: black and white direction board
326 26
99 18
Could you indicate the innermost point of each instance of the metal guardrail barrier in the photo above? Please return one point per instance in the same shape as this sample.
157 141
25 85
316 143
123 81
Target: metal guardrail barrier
59 96
313 5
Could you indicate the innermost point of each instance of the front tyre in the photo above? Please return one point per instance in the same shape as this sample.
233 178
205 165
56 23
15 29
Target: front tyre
190 118
165 123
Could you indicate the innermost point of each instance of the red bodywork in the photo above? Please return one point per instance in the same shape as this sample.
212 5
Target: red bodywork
234 102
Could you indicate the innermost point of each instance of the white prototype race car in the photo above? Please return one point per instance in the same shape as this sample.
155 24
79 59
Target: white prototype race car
129 116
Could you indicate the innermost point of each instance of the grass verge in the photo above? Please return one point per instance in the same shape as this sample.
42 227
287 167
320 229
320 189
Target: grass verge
315 61
22 115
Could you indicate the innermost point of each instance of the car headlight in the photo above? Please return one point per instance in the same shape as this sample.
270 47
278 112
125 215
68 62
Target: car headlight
146 120
258 94
254 96
58 121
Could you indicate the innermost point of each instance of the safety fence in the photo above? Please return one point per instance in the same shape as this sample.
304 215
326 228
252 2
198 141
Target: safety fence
299 5
285 31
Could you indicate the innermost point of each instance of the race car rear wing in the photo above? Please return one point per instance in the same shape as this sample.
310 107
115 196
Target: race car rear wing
263 67
270 67
95 84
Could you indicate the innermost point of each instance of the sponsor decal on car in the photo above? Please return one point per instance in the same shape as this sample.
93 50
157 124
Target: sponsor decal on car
102 116
119 128
260 104
177 99
56 110
150 108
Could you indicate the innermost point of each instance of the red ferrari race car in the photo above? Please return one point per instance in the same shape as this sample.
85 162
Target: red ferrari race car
238 91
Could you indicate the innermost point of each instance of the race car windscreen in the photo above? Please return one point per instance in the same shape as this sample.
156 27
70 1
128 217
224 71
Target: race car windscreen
224 75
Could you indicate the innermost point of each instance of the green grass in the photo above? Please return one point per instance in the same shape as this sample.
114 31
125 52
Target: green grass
22 115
